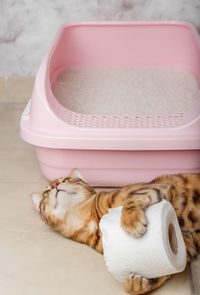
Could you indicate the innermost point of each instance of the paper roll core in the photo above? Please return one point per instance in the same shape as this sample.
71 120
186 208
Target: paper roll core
172 238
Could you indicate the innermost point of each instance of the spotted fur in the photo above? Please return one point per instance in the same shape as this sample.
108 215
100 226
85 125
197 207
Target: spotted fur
73 208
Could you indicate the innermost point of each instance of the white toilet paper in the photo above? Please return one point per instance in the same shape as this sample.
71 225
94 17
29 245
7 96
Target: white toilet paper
160 251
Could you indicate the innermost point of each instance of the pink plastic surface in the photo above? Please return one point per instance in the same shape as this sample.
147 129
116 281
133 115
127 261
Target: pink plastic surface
56 130
114 44
117 168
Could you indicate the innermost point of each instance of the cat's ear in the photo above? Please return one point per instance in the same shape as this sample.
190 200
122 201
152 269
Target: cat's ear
75 173
36 198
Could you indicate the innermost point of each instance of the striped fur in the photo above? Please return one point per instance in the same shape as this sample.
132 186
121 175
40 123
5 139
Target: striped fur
80 219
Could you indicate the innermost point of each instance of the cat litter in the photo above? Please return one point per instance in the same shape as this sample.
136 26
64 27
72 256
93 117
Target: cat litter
118 100
126 91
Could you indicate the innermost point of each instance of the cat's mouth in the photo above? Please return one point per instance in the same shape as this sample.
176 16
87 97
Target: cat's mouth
57 197
60 196
57 192
54 197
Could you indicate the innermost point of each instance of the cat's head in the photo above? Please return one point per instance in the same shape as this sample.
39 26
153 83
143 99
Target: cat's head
65 203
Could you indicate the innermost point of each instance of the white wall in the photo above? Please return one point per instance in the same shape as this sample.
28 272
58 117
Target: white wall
28 26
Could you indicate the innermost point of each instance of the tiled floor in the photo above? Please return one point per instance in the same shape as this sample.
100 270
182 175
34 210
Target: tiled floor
34 259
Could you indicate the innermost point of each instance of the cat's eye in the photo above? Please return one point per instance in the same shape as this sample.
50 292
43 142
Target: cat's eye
46 193
67 179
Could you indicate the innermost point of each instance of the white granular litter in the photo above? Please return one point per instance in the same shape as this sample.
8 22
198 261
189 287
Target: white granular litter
126 91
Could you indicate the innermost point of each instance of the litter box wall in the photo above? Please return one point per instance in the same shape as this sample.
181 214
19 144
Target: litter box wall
117 168
115 150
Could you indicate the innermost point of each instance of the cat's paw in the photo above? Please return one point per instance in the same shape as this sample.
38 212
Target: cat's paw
134 222
137 284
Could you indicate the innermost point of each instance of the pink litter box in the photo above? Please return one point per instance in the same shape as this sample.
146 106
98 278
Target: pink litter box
122 148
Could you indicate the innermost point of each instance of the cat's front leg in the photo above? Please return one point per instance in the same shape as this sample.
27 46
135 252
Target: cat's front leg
133 219
191 245
137 284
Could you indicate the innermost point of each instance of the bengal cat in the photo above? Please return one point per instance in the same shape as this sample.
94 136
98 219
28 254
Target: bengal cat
73 208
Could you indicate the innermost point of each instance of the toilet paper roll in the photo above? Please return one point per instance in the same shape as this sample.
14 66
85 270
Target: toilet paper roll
160 251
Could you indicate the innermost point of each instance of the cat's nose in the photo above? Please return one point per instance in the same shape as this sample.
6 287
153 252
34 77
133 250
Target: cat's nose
54 184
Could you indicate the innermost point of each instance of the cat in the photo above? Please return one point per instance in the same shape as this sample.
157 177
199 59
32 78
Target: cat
72 207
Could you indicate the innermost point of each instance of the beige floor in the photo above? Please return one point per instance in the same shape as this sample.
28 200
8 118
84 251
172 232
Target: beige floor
34 259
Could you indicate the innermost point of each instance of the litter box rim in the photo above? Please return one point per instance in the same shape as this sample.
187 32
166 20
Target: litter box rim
46 129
